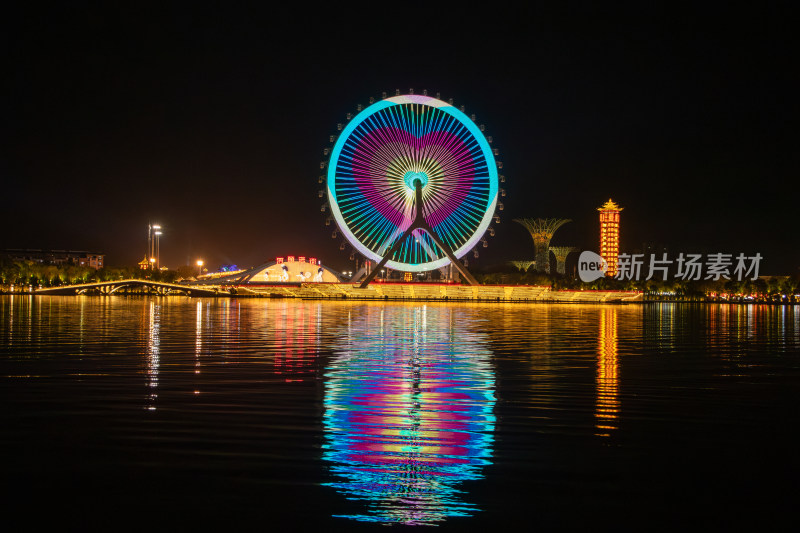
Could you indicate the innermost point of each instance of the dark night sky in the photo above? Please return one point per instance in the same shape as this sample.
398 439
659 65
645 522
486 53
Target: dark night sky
212 121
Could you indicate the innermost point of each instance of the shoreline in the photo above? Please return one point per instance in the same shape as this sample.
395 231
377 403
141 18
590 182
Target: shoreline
433 292
441 300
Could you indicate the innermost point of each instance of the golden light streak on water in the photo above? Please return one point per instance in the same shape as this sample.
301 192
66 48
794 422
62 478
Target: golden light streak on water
608 405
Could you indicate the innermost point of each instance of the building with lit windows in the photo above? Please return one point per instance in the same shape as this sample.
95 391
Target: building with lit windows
57 257
609 235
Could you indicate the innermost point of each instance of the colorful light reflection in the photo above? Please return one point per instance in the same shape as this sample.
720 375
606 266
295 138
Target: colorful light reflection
408 413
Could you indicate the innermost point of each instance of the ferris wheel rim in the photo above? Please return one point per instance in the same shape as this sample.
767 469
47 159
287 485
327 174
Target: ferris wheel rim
484 150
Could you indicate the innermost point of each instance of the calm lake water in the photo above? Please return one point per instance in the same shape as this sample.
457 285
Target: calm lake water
171 413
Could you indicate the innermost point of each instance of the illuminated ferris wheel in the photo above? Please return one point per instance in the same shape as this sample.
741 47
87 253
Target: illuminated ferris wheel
412 183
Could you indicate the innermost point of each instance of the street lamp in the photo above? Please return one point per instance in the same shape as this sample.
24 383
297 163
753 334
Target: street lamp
199 267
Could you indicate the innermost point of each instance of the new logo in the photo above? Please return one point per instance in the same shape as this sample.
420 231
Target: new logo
591 266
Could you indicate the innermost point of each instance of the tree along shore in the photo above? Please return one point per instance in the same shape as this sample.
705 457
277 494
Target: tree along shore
31 274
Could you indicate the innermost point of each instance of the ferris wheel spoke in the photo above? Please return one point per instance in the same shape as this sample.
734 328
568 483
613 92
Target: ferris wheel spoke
438 148
455 160
446 138
377 231
367 219
443 146
365 160
460 168
393 130
463 222
452 237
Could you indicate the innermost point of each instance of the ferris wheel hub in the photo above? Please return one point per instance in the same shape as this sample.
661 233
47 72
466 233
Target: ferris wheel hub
411 177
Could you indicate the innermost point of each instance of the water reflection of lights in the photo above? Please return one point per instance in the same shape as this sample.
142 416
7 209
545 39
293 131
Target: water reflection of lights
297 331
198 336
23 305
198 339
607 408
153 349
408 412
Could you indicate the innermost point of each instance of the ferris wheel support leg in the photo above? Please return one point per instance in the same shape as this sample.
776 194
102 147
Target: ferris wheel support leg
456 263
386 257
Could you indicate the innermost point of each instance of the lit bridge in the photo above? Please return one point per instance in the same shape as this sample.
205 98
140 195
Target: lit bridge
110 287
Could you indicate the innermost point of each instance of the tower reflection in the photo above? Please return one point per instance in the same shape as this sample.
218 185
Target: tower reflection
607 407
408 412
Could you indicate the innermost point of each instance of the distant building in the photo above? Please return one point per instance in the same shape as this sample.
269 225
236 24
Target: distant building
57 257
609 235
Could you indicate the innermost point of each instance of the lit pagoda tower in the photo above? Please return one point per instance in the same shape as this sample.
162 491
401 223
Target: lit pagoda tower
609 235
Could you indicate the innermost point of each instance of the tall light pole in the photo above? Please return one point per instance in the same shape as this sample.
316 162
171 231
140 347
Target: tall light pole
199 267
158 245
153 245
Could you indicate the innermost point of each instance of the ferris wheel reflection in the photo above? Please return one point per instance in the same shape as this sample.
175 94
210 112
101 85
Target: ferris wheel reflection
408 413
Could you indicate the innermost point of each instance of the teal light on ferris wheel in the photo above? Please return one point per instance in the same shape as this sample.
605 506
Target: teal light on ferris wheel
410 177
